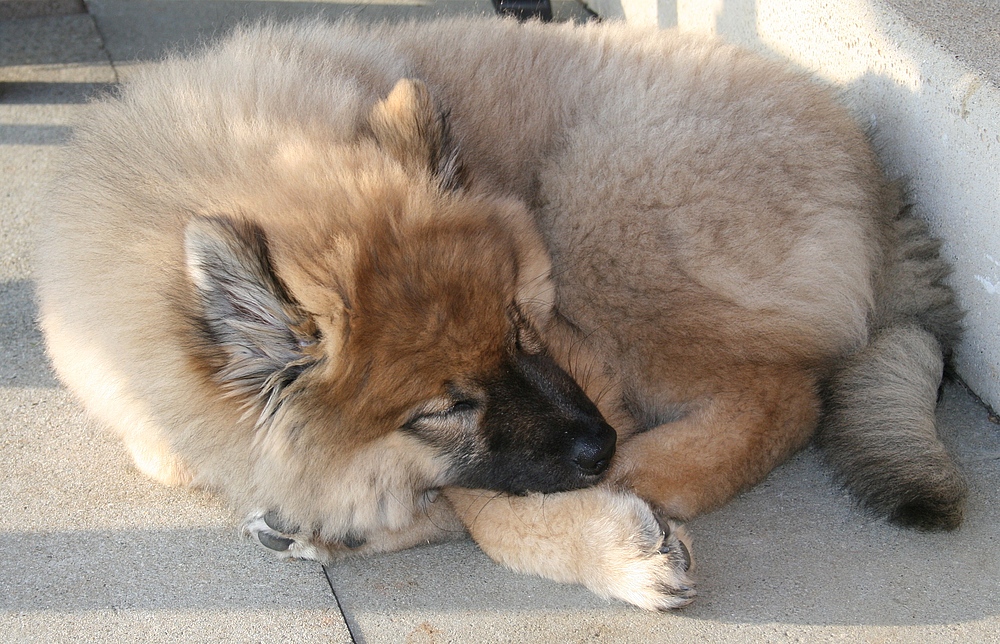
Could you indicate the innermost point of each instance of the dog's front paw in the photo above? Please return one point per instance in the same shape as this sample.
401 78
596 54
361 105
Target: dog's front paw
645 562
668 583
609 541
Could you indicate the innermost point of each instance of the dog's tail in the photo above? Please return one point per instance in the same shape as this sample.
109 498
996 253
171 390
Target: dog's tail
878 430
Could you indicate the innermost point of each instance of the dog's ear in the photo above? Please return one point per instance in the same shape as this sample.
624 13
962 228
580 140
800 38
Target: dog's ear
245 313
409 126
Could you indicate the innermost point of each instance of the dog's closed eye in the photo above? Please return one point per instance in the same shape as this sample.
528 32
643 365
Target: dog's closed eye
443 409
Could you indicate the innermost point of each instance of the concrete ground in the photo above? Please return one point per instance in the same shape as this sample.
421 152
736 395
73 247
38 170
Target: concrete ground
92 551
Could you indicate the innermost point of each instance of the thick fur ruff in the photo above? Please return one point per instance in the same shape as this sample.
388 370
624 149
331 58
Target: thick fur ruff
333 270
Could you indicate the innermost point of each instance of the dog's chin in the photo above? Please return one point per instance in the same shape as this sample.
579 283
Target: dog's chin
579 483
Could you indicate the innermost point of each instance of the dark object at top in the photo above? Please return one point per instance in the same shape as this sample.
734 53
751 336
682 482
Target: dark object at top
524 9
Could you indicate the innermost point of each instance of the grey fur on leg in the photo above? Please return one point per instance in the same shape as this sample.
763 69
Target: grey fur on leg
879 431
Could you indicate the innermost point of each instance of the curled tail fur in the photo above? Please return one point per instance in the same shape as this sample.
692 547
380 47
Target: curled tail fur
878 430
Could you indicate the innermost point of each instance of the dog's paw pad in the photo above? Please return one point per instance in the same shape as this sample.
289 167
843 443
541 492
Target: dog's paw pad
287 540
280 537
275 533
274 541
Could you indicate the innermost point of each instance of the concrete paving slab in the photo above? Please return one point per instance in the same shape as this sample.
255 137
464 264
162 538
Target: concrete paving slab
29 55
94 551
90 549
11 9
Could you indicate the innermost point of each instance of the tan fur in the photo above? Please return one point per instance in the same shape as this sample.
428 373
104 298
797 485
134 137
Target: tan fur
697 235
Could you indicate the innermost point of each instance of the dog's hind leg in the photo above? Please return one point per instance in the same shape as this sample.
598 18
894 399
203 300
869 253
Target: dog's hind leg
435 521
744 422
154 458
609 541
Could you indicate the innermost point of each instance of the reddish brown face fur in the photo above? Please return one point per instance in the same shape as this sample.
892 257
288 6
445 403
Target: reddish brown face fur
432 314
439 325
450 358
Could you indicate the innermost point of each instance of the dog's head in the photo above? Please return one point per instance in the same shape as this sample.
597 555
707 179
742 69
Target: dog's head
402 309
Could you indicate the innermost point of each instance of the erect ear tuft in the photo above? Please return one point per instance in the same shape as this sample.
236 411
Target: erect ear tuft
245 311
408 125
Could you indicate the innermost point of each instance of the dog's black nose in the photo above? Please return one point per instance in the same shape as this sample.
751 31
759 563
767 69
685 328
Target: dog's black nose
592 453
